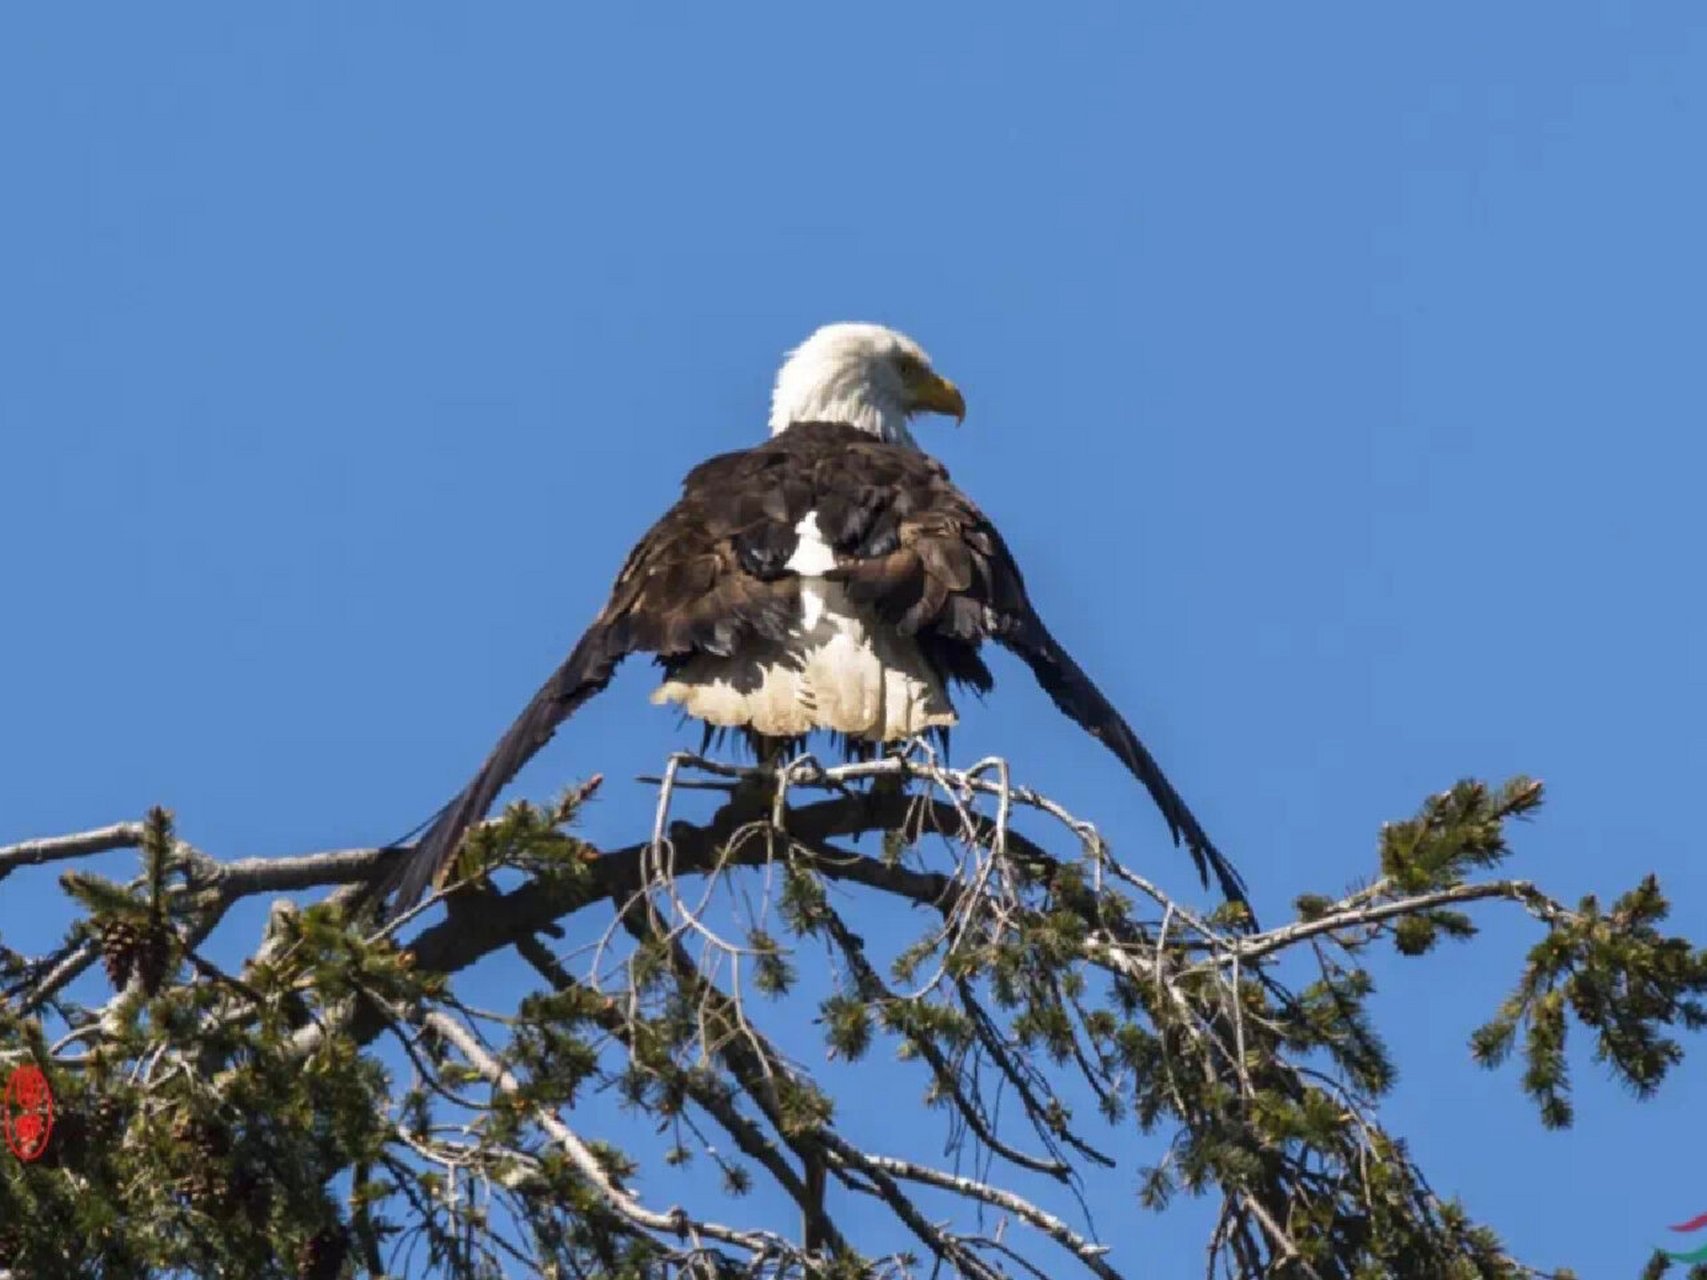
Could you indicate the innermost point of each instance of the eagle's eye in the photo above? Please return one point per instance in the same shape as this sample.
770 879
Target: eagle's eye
910 367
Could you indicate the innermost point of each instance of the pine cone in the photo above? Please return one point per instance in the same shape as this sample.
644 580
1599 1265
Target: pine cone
140 947
154 956
120 940
206 1145
321 1257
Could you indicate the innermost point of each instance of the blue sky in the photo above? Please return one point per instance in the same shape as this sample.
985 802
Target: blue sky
1334 372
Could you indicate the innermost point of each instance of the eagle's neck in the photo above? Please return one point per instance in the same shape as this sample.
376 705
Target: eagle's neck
808 395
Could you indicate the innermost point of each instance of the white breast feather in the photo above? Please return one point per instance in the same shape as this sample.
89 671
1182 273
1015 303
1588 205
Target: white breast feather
812 556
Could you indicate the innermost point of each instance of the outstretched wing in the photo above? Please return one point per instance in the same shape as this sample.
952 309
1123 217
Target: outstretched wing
1066 682
588 669
941 571
709 575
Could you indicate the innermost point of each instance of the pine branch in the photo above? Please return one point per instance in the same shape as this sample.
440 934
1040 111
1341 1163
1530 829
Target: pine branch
1029 976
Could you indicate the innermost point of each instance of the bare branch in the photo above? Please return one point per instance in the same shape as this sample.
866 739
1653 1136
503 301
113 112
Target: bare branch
1090 1254
675 1222
33 853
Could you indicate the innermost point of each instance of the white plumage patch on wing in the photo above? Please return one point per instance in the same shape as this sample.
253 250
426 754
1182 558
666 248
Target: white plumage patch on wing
840 669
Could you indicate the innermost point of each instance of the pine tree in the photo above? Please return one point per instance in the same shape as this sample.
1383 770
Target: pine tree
334 1109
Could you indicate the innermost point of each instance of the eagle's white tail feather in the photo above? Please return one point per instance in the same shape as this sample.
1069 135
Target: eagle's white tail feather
840 671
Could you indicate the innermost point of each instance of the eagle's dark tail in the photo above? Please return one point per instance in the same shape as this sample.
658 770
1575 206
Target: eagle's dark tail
1065 681
586 671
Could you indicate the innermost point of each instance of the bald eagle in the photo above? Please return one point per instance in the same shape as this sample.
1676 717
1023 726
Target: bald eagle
831 578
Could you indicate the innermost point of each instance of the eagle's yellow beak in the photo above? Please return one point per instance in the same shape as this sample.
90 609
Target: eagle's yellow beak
939 395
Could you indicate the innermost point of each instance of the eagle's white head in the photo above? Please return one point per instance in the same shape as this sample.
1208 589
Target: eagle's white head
865 375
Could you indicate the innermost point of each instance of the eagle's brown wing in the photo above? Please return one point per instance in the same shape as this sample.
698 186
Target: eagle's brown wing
950 576
707 576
